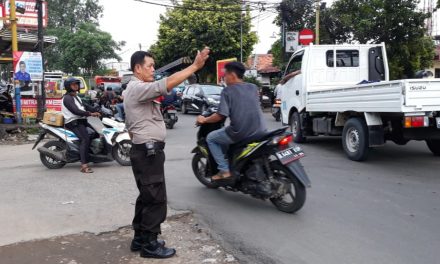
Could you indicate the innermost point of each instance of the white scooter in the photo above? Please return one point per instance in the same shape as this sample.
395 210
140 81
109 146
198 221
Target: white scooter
109 141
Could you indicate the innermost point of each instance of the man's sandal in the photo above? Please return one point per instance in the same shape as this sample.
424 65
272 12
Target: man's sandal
86 170
220 178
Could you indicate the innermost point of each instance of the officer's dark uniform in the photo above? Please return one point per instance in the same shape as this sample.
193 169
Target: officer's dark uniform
145 123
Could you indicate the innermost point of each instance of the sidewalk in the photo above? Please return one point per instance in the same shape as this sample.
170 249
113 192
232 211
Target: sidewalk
193 243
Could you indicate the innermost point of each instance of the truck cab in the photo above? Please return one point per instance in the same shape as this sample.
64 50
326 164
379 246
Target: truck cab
325 67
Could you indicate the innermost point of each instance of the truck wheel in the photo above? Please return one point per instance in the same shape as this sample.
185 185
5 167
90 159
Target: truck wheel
355 139
434 146
295 127
184 108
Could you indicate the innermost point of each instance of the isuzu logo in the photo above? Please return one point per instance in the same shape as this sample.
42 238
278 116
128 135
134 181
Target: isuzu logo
417 88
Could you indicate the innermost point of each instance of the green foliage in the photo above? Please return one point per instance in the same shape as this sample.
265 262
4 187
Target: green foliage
183 31
83 49
69 14
252 79
398 23
81 45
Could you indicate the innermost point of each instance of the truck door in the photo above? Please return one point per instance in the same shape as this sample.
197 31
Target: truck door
292 91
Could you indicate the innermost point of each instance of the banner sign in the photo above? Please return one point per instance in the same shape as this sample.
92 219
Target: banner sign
291 41
221 68
28 66
27 15
29 107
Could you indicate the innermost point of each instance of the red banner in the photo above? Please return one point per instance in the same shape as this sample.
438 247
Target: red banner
29 107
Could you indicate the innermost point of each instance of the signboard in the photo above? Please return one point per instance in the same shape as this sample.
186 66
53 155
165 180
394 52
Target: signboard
27 15
29 107
291 41
28 66
221 69
306 36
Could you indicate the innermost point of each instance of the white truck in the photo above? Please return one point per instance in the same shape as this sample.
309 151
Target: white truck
327 98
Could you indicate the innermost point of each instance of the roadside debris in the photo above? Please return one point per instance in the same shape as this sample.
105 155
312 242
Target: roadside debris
193 243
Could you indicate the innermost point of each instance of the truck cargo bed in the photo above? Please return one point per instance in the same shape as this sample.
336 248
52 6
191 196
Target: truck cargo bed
405 96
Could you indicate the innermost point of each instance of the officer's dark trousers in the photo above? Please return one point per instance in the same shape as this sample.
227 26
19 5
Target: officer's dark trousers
151 204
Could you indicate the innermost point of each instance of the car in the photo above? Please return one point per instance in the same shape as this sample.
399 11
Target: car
116 87
199 97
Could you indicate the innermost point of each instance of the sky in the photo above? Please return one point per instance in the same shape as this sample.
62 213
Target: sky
137 23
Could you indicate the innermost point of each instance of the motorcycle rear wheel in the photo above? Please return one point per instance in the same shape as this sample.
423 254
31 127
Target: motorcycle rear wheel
296 192
49 162
199 166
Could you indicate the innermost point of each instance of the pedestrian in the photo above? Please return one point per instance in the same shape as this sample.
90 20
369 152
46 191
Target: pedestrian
145 124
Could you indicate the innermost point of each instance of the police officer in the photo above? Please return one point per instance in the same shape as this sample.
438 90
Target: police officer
145 124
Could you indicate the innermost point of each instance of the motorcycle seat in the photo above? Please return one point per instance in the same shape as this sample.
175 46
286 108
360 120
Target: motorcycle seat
259 138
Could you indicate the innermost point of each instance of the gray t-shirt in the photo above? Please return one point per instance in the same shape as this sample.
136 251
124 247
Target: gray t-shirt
241 103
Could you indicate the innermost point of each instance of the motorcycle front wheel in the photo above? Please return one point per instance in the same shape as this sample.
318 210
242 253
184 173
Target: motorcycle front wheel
295 196
200 169
121 152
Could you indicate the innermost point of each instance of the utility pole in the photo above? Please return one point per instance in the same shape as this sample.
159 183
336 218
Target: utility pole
241 37
13 19
318 9
42 95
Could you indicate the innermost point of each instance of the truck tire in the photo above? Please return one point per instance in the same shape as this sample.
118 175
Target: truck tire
295 127
355 139
434 146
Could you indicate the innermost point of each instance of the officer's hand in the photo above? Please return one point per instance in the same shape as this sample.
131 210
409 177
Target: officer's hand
201 58
201 120
95 114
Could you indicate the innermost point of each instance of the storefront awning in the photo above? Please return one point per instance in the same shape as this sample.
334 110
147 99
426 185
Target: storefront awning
26 41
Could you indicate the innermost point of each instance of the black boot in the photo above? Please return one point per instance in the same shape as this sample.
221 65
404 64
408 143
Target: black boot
153 249
138 241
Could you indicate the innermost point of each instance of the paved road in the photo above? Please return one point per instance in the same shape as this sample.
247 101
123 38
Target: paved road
385 210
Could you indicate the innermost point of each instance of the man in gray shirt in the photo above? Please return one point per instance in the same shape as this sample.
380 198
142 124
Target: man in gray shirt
145 124
240 102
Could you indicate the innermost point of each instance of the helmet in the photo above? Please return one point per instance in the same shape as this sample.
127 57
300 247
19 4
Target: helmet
69 81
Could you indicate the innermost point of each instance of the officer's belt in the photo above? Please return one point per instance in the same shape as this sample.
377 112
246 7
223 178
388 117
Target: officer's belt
153 145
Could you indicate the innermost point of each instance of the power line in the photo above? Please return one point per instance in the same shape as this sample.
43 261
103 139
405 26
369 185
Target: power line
195 8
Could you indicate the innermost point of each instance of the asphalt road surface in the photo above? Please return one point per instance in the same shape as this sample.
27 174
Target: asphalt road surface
384 210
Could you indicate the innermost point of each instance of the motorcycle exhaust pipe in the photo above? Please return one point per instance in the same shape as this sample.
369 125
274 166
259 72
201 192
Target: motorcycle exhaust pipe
52 154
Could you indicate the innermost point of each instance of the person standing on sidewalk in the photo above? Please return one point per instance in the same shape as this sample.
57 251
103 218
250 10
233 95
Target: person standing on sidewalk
145 124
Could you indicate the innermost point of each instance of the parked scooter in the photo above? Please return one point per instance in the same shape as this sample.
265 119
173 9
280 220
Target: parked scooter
169 114
111 142
6 98
267 167
276 110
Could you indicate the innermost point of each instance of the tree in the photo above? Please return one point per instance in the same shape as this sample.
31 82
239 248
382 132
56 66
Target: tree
81 45
84 48
68 14
189 27
398 23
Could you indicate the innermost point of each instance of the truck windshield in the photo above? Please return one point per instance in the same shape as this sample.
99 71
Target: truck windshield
295 63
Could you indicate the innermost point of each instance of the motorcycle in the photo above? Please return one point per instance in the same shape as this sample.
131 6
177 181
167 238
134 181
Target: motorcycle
169 114
112 142
276 110
6 98
266 168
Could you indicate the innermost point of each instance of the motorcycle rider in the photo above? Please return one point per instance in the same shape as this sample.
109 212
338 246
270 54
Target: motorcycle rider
240 102
75 119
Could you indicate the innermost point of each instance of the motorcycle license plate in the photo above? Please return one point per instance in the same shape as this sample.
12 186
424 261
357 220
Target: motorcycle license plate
172 112
289 155
437 120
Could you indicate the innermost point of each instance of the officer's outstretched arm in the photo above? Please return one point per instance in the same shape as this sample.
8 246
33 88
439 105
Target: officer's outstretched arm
184 74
